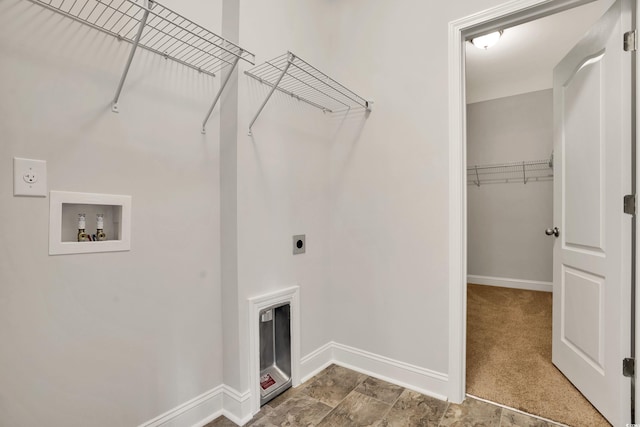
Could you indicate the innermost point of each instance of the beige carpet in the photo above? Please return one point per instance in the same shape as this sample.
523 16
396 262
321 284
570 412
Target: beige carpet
509 356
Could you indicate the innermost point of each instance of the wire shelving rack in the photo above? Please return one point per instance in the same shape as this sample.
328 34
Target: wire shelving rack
290 74
523 172
149 25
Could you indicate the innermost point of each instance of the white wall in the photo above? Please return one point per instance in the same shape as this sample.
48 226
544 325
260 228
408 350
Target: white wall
506 221
281 175
114 338
370 192
233 368
389 180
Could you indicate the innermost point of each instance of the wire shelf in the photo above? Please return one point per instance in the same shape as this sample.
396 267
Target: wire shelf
154 27
295 77
535 170
165 32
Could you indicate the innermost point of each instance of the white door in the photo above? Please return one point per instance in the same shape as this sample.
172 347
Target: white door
592 254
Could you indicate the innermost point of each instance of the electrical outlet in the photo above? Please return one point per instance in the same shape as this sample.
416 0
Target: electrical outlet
29 177
299 244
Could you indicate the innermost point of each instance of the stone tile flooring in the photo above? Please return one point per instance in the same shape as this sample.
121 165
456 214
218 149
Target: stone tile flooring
339 397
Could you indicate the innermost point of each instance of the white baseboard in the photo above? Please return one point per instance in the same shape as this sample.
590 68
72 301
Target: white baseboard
504 282
316 361
409 376
221 400
237 407
403 374
209 402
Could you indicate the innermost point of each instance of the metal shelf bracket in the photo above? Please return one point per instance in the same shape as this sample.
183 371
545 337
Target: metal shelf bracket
217 97
273 89
136 42
295 77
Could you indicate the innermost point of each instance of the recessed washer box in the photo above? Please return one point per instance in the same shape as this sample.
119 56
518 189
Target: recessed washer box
64 207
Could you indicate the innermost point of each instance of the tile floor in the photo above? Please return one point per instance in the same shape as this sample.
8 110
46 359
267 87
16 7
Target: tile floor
339 397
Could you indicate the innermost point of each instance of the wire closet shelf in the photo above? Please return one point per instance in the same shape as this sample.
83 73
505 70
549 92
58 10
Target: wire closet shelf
154 27
290 74
523 172
165 32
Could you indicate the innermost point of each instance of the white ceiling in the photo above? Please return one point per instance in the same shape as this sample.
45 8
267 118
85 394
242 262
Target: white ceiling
524 58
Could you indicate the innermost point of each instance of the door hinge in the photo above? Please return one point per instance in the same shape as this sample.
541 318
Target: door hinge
628 367
630 41
630 204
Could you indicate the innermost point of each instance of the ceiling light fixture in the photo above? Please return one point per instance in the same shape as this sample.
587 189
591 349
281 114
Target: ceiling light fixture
486 41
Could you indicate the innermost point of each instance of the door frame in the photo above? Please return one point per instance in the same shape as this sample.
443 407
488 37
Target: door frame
511 13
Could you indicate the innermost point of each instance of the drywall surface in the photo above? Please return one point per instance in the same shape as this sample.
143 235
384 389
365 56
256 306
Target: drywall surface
389 179
234 367
369 190
506 221
110 339
119 338
282 176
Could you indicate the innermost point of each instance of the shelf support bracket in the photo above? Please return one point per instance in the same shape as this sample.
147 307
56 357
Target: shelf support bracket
143 22
224 84
275 86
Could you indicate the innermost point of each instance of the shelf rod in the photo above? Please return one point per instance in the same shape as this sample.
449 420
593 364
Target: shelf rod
325 84
511 165
120 37
143 22
284 71
313 88
198 36
291 94
366 103
224 84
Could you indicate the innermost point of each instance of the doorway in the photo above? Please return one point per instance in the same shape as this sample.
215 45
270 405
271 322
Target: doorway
502 17
510 125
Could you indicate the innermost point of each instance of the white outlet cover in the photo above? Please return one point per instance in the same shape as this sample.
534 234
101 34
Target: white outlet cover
29 177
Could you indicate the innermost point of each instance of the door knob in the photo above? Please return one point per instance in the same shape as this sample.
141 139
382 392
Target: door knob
552 231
